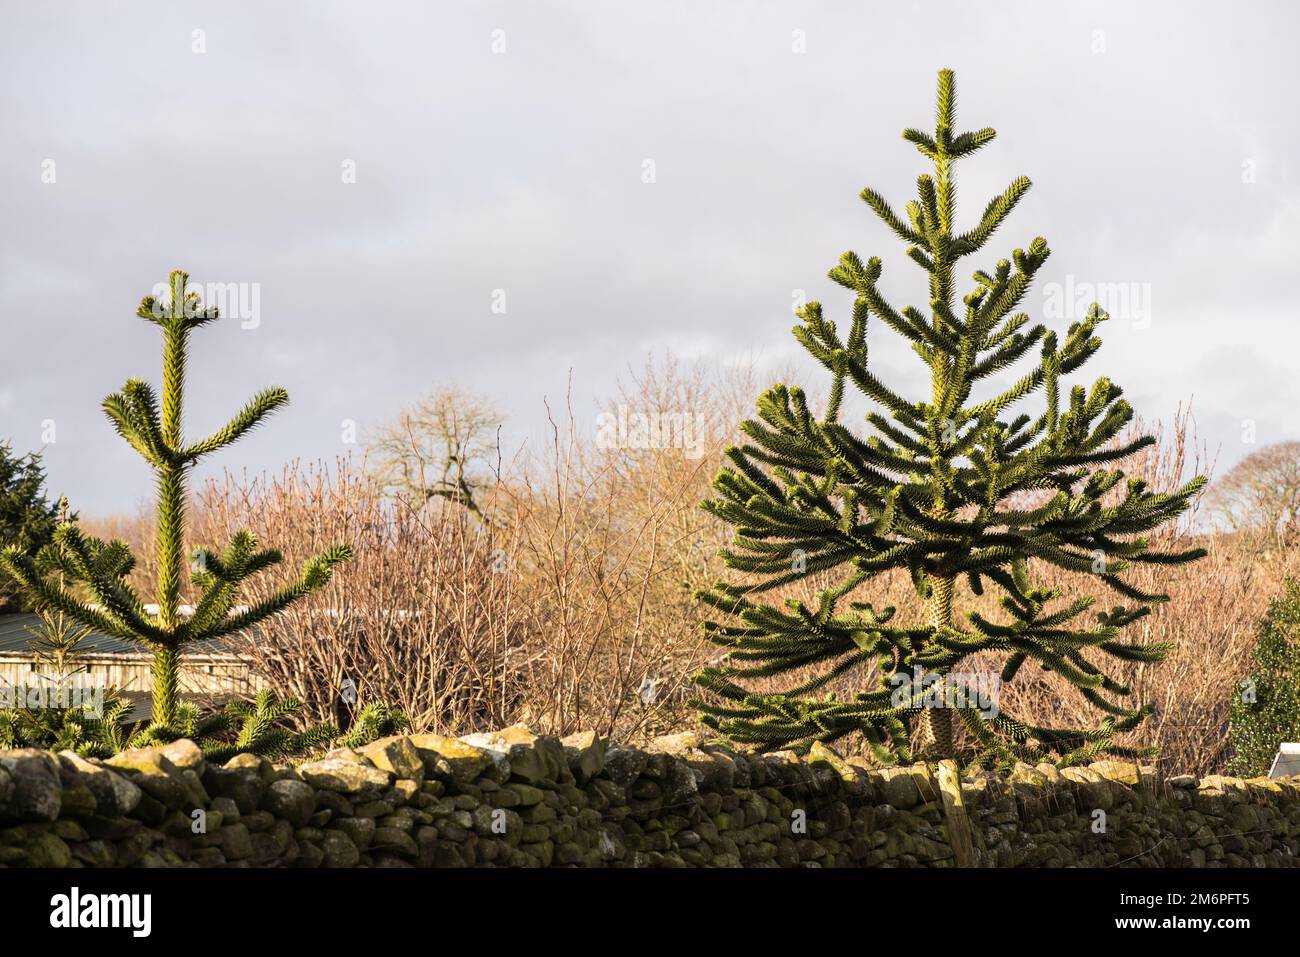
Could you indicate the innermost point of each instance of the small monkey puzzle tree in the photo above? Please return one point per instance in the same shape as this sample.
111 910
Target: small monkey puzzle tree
102 568
946 489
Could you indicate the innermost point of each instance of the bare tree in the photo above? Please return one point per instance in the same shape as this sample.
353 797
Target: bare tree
1261 493
441 447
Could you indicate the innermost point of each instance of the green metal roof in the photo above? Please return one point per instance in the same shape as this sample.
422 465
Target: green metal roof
15 638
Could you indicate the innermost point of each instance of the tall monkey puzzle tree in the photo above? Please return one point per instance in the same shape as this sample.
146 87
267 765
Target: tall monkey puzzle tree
103 568
946 488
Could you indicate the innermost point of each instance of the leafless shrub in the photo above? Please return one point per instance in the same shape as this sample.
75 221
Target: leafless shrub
572 608
422 618
569 609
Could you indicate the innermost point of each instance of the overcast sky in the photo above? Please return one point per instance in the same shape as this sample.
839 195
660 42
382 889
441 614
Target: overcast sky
504 146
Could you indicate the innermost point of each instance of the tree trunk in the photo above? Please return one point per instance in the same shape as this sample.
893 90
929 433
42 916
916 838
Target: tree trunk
935 725
166 681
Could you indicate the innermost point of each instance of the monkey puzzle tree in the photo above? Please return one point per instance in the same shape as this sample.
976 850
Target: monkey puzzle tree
102 568
951 489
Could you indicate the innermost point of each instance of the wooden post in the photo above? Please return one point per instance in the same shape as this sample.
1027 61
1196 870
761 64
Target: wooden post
954 814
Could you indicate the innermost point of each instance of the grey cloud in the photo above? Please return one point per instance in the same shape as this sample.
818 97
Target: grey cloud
522 171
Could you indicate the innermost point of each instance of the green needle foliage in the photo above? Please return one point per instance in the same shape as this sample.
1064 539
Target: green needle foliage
261 727
953 489
1266 711
27 517
376 720
67 729
102 568
265 726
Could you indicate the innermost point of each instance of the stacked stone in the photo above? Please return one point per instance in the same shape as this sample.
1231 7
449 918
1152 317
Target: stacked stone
1114 813
516 799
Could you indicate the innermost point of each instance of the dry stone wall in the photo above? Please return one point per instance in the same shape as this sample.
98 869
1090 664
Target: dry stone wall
516 799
